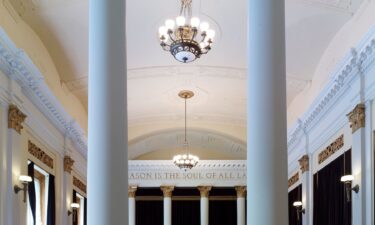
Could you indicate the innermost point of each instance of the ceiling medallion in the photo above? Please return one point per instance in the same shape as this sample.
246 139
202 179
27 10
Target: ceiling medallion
182 39
185 161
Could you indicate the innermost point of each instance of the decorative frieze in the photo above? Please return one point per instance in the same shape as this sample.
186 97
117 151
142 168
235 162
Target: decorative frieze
204 190
167 191
304 163
15 118
357 117
131 191
294 179
79 184
68 164
241 191
331 149
40 154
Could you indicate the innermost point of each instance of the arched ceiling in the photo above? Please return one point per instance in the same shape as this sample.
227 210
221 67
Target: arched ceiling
155 78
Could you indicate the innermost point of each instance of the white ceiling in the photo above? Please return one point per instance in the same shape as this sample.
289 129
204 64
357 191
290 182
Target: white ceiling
155 78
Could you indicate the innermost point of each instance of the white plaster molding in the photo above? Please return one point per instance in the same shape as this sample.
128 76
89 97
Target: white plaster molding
343 77
16 64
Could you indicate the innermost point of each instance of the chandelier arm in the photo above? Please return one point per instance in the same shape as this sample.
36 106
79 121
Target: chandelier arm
170 36
195 31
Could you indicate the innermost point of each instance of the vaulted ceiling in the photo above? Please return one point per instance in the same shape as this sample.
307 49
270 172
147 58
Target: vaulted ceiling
155 78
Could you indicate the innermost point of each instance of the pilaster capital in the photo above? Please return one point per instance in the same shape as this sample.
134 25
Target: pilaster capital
304 163
204 190
15 118
241 191
167 191
68 164
357 117
131 191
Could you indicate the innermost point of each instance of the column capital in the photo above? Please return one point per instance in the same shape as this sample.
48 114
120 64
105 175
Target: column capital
204 190
304 163
131 191
357 117
15 118
167 191
241 191
68 164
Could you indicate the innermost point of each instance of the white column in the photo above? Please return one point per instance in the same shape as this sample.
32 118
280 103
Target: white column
67 189
107 127
167 202
357 121
267 131
131 194
204 190
241 196
306 181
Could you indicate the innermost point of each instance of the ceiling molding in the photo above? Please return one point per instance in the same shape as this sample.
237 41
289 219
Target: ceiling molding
16 64
198 138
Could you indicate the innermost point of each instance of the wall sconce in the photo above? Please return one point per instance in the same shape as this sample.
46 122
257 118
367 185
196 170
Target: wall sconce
298 205
347 180
74 207
25 180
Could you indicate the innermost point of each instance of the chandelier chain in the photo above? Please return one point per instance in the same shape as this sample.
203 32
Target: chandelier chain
186 9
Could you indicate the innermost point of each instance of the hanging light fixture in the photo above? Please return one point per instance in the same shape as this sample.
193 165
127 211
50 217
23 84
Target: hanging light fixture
185 161
181 36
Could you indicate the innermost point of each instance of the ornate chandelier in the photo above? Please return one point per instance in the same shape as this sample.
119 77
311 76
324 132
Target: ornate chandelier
182 39
185 161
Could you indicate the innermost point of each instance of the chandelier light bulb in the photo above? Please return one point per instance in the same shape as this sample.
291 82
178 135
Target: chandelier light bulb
169 24
210 34
180 21
194 22
163 31
204 26
202 45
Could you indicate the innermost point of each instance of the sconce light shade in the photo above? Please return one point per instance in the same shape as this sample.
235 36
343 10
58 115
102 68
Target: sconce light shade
25 179
297 204
74 205
347 178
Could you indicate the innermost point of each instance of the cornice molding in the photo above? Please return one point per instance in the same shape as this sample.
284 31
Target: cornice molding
17 65
360 57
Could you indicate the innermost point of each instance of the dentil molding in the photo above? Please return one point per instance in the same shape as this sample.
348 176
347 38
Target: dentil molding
17 65
355 62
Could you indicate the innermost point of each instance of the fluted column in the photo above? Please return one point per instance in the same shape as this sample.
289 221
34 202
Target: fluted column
167 202
241 196
266 114
107 125
205 191
131 195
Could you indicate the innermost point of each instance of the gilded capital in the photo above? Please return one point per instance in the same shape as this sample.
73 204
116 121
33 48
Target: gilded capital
241 191
167 191
204 190
131 191
304 163
68 164
357 117
15 118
